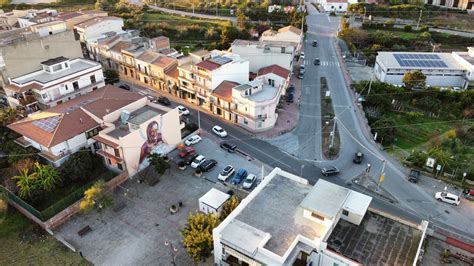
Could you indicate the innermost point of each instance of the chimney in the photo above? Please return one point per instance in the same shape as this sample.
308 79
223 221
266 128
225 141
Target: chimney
80 120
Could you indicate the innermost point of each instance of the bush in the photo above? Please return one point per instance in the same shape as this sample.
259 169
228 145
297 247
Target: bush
191 127
80 165
424 28
407 28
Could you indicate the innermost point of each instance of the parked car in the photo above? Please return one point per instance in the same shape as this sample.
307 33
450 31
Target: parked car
207 165
317 62
413 176
241 174
330 170
192 140
190 158
448 198
164 100
186 151
302 69
198 161
219 131
125 87
290 98
228 147
291 89
152 98
227 172
302 56
468 193
315 43
183 110
358 157
249 181
300 75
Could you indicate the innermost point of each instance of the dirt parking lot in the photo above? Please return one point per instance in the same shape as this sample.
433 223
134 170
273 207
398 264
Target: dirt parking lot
135 230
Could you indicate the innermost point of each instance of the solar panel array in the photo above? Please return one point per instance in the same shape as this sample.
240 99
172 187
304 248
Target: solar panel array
420 60
220 60
48 124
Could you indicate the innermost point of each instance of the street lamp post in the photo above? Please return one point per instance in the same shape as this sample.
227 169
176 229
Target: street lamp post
367 170
462 182
301 173
173 251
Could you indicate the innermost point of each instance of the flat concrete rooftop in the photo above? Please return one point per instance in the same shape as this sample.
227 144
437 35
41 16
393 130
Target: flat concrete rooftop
378 240
137 117
267 93
276 211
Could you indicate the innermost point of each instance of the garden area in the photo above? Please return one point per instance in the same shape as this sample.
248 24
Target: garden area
415 125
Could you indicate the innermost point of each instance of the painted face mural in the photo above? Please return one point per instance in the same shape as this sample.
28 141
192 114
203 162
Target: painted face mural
153 138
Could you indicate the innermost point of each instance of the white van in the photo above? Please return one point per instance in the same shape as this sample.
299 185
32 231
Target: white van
448 198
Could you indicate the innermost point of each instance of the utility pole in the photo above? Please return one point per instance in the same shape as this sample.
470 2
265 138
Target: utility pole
199 120
462 182
333 133
419 19
382 175
370 86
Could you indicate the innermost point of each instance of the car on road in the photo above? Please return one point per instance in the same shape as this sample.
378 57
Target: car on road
317 62
227 172
315 43
302 56
207 165
413 176
249 181
290 98
198 161
186 151
219 131
190 158
448 198
125 87
241 174
228 147
164 100
192 140
302 69
330 170
291 88
300 75
358 157
183 110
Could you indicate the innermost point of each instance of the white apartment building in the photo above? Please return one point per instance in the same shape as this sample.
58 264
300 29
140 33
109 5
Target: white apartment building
441 69
197 81
261 54
286 221
60 80
288 34
27 18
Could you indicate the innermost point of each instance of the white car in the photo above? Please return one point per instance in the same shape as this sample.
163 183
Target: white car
192 140
302 56
183 110
249 181
227 172
198 161
448 198
219 131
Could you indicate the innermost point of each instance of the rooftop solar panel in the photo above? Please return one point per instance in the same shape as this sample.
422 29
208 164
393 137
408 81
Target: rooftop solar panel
220 60
419 60
48 124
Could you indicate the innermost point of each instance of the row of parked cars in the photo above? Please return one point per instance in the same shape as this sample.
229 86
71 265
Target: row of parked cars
229 173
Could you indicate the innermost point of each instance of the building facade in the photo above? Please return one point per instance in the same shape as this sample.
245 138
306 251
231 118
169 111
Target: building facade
59 80
457 4
288 34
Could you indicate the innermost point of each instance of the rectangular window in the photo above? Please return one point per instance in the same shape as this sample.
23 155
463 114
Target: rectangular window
117 152
44 96
75 85
92 133
93 79
345 213
66 64
57 68
119 166
109 162
317 216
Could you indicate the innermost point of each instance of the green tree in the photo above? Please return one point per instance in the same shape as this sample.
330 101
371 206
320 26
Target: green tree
425 36
158 162
241 18
386 130
96 197
111 76
47 176
441 156
407 28
8 115
418 158
80 165
26 183
413 79
228 35
228 207
211 33
344 24
197 235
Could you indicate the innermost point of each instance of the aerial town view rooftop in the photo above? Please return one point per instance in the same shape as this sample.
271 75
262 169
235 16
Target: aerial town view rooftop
238 132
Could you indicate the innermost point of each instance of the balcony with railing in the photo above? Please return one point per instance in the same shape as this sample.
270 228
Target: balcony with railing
74 92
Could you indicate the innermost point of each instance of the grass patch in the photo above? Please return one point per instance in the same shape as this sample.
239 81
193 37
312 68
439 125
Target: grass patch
178 21
413 132
24 243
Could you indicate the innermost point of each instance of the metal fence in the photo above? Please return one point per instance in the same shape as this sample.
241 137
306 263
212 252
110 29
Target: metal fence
22 203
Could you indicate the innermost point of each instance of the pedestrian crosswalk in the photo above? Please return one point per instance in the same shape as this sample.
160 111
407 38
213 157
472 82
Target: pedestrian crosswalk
323 63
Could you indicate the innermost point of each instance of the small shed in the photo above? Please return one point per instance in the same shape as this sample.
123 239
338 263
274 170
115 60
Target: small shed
213 201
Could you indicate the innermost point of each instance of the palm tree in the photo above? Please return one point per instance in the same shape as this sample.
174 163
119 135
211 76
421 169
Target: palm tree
47 176
8 115
27 183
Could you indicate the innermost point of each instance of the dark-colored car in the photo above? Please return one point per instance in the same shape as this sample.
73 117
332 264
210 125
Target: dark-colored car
208 165
291 88
358 157
290 98
317 62
228 147
125 87
191 158
241 174
315 43
330 170
300 75
163 100
413 176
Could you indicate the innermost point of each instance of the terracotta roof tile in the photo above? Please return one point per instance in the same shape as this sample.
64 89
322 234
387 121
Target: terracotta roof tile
275 69
148 56
121 45
224 90
291 28
172 72
164 61
208 65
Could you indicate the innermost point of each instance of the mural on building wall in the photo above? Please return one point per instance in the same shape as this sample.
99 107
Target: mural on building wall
153 138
